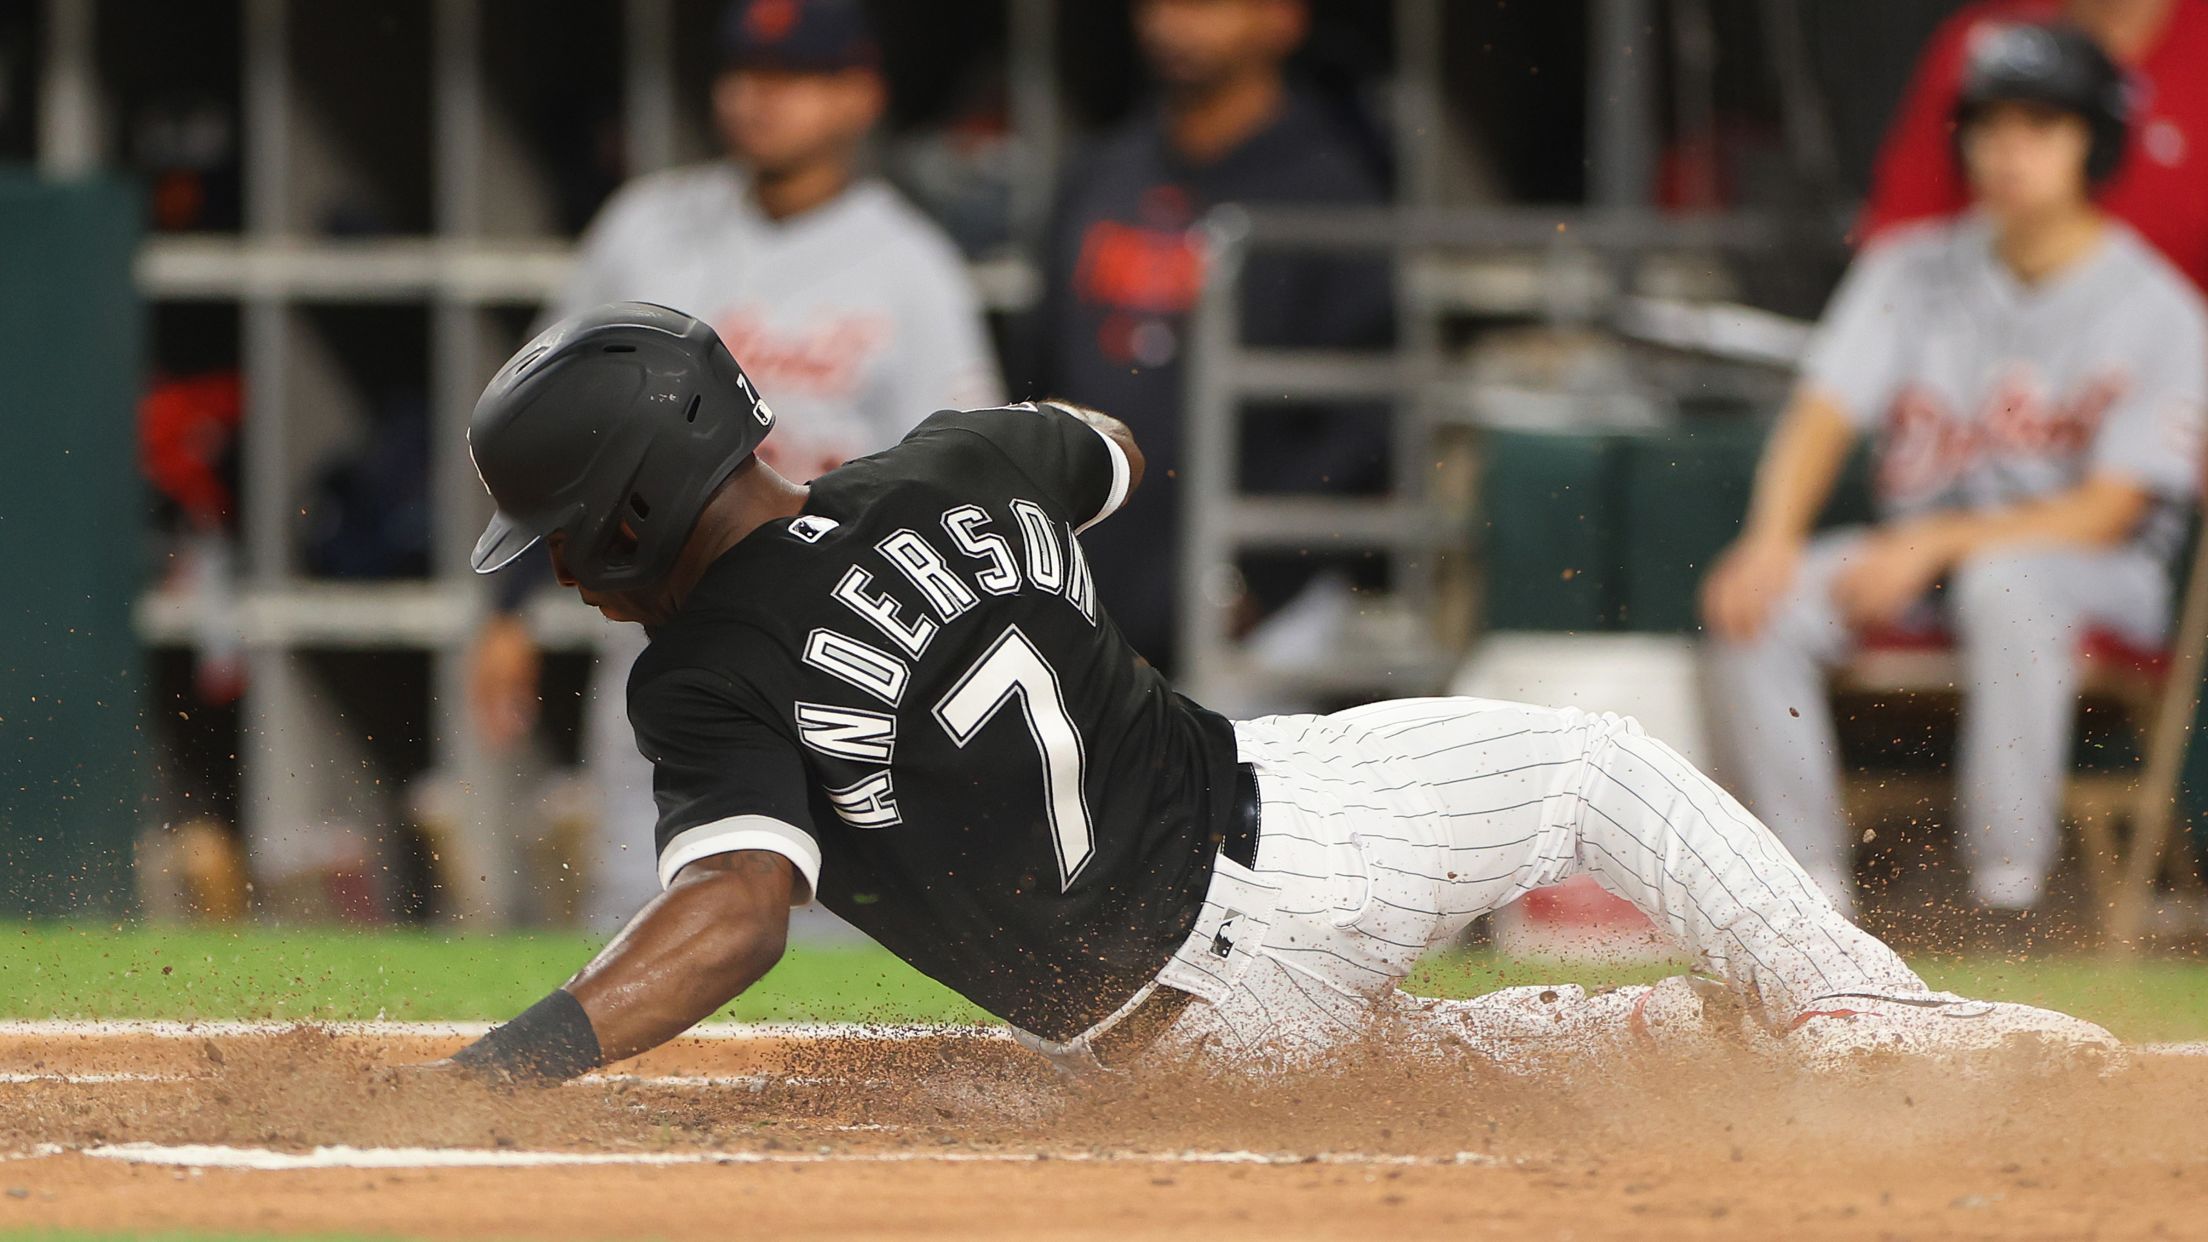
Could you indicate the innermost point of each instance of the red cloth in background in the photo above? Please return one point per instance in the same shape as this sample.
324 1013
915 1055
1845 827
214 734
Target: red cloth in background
2162 187
184 428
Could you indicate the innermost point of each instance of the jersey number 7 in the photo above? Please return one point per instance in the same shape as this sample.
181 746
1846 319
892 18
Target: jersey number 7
1013 669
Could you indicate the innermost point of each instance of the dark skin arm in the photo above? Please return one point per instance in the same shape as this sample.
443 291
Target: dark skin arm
716 931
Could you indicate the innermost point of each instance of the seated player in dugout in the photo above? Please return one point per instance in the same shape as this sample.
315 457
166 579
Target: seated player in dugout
897 691
2031 378
849 304
2160 187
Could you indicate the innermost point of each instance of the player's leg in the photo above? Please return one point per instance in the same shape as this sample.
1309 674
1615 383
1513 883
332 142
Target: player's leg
1387 828
2019 617
1521 796
1771 715
1608 801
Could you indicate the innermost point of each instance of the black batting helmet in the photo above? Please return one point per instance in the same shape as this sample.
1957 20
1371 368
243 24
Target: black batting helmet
612 428
2057 65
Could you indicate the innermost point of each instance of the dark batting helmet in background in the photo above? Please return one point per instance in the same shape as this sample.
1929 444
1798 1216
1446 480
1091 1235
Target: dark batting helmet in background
2053 64
611 429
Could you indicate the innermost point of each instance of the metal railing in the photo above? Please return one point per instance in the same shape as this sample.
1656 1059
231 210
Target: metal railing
1557 266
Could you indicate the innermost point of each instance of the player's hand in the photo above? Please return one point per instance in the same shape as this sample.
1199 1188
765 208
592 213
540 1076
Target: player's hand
502 682
1887 576
1747 583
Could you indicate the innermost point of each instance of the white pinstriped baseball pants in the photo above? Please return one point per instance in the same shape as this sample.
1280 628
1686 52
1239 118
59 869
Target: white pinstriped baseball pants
1386 829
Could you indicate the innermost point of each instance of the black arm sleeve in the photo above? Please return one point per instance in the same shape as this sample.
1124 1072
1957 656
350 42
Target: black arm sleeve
723 777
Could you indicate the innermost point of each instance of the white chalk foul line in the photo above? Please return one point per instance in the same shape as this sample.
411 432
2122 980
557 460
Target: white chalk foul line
88 1079
261 1159
146 1028
77 1028
750 1082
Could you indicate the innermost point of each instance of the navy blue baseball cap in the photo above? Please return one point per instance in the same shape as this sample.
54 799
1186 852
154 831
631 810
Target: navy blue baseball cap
807 36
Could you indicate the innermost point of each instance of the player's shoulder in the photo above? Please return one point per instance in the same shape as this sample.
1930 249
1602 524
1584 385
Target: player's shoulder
998 429
2151 286
731 631
1110 166
677 702
952 454
1919 242
689 189
670 678
901 232
945 446
1924 260
1321 156
1131 144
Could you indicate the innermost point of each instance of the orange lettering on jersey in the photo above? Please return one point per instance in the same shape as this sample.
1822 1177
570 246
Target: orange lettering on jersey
1926 448
827 357
769 21
1132 268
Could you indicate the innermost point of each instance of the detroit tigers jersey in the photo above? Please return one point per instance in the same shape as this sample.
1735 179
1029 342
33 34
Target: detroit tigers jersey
911 691
850 317
1984 391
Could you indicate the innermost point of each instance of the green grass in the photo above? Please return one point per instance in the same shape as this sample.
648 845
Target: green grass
134 972
137 972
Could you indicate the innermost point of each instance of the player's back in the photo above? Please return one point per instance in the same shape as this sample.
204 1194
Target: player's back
917 676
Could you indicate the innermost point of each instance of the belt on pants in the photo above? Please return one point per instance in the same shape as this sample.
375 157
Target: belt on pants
1238 836
1142 1025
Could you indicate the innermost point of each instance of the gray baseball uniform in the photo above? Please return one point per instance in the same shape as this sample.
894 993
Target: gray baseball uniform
1983 392
856 320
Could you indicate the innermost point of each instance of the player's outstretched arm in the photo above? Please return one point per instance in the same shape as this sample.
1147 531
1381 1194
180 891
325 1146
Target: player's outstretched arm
717 930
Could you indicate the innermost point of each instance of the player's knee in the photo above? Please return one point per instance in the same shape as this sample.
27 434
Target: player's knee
1797 623
2000 592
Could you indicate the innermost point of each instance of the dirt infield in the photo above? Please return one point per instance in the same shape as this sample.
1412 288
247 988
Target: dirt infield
950 1135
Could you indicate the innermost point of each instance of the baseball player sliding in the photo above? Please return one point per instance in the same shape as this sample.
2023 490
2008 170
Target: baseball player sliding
896 692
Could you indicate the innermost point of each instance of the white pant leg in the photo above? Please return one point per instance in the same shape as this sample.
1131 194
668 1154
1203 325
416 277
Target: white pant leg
1387 828
1772 718
624 870
1525 796
2018 617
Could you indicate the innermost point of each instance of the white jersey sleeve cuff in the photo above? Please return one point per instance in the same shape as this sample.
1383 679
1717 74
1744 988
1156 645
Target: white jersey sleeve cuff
1122 474
744 832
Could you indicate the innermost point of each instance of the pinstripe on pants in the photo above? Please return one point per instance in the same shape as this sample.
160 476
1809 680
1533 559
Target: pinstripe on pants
1388 828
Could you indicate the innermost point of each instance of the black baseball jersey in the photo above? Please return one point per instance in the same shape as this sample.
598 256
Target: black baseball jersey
912 691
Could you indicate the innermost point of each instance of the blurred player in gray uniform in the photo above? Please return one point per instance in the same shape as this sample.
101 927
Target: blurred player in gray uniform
853 312
2032 374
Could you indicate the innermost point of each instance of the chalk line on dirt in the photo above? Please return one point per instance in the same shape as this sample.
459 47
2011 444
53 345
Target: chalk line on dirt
88 1080
156 1028
261 1159
162 1028
749 1082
